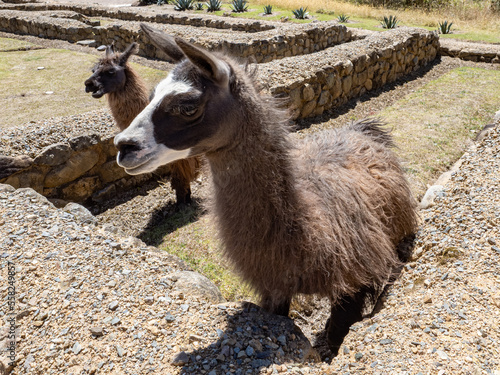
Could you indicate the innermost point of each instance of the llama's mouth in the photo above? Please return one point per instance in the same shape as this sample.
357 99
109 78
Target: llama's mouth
97 94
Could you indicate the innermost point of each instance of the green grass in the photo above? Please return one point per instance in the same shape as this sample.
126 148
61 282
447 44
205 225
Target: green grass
433 125
63 74
8 45
196 244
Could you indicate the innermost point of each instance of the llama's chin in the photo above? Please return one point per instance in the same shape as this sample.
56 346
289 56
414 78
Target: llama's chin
98 94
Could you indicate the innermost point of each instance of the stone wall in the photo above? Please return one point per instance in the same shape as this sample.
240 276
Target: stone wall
478 52
152 14
81 169
265 46
329 78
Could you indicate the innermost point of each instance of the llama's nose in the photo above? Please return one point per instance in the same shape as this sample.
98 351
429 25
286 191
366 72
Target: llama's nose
126 146
89 85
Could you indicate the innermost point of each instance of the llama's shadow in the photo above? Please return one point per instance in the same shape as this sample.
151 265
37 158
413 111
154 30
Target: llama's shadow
168 218
253 339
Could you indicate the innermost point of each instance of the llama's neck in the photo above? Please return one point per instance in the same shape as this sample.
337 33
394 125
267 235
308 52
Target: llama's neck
255 192
128 102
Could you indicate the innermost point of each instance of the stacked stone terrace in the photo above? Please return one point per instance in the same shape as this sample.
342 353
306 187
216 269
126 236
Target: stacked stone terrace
315 67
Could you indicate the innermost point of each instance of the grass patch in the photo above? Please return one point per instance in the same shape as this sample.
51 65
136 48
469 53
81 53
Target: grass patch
197 245
433 125
472 20
7 45
63 74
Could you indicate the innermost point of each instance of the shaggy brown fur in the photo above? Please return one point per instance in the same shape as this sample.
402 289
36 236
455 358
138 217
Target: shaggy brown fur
127 97
321 215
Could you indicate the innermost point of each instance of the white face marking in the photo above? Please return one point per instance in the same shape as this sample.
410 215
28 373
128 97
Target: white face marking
149 154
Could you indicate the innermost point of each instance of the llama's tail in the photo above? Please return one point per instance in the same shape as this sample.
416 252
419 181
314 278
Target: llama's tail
374 128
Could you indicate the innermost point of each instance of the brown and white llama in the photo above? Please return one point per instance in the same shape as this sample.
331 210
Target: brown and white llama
323 215
127 96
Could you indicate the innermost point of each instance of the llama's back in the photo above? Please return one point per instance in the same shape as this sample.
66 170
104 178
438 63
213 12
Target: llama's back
360 200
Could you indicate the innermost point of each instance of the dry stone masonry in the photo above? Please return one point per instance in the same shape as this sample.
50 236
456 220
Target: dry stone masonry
329 78
83 168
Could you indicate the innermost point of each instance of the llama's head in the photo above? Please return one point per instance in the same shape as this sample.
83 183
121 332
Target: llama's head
192 111
109 72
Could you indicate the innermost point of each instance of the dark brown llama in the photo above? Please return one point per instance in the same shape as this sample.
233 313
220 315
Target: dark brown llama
323 215
127 96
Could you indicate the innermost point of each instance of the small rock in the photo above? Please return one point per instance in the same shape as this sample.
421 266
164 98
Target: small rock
427 299
120 351
430 196
180 359
97 331
113 305
77 348
249 351
115 321
149 300
40 68
282 340
169 318
442 355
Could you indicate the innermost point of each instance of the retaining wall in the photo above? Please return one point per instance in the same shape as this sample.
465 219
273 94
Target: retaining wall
152 14
286 41
83 168
329 78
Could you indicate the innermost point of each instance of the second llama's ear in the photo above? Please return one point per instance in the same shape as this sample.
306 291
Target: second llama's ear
211 66
110 50
164 42
132 49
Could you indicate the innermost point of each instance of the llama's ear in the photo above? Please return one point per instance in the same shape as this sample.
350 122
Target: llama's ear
164 42
132 49
210 65
110 50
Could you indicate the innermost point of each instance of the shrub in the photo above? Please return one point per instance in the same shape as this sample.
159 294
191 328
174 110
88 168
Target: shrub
300 13
183 4
239 6
342 18
213 5
389 22
268 9
323 11
444 27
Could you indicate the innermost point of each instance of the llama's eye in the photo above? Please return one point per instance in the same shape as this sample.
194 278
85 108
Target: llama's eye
188 110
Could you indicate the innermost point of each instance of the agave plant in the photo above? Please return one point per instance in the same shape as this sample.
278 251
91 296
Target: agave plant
444 27
342 18
183 4
268 9
300 13
162 2
198 6
213 5
389 22
239 6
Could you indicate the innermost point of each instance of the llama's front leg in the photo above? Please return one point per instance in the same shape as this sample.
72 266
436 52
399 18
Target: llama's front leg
276 306
343 315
